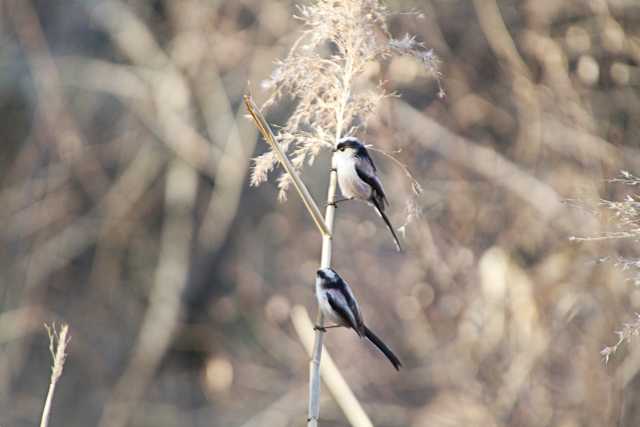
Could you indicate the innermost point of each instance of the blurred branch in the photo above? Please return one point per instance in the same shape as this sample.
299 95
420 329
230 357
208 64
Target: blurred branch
162 316
12 197
481 160
57 207
19 322
58 341
332 377
498 36
131 85
168 87
268 135
578 143
524 91
59 250
57 121
131 34
272 415
231 169
56 252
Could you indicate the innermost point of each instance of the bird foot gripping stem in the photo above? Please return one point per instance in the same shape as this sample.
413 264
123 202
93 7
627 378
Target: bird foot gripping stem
336 201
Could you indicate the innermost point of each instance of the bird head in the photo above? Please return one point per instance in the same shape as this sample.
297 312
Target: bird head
327 277
350 146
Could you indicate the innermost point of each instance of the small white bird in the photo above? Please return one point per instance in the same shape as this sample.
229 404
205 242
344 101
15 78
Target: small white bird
339 306
358 180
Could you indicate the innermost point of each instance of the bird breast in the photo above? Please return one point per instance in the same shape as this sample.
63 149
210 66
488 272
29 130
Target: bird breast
350 183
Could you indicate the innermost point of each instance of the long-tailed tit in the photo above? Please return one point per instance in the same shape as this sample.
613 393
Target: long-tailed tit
340 307
358 180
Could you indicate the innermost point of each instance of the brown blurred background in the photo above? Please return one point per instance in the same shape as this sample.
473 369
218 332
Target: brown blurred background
126 212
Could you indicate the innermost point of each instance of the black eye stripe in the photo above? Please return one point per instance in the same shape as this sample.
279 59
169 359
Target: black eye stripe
349 142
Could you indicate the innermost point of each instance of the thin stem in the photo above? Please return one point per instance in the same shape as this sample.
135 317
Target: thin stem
314 375
329 217
325 226
327 247
325 261
268 135
58 341
331 375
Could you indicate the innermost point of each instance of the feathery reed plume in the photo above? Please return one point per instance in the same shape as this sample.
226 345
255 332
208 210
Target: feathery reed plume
625 216
267 134
338 40
58 341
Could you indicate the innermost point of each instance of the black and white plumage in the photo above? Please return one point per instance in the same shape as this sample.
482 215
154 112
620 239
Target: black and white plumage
358 179
339 306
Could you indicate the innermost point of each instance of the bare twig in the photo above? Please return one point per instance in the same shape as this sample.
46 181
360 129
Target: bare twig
58 341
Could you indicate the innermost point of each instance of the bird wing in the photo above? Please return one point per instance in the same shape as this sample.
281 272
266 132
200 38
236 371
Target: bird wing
347 294
342 308
364 153
367 173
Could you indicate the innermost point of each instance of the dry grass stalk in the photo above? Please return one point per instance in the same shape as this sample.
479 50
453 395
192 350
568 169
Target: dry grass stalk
338 41
267 134
331 375
325 261
58 341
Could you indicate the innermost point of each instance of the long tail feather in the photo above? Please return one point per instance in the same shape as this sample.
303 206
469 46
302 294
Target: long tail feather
383 348
389 226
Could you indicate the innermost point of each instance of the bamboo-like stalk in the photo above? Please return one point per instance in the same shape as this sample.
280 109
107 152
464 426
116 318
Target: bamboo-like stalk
327 249
326 229
268 135
325 261
337 385
314 376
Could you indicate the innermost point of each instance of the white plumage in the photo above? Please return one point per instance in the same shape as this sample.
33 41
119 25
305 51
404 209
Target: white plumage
350 183
340 308
358 179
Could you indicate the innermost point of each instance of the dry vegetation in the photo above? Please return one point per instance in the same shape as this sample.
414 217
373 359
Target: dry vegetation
126 212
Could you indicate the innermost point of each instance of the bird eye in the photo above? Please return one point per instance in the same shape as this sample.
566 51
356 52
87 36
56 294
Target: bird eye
341 148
